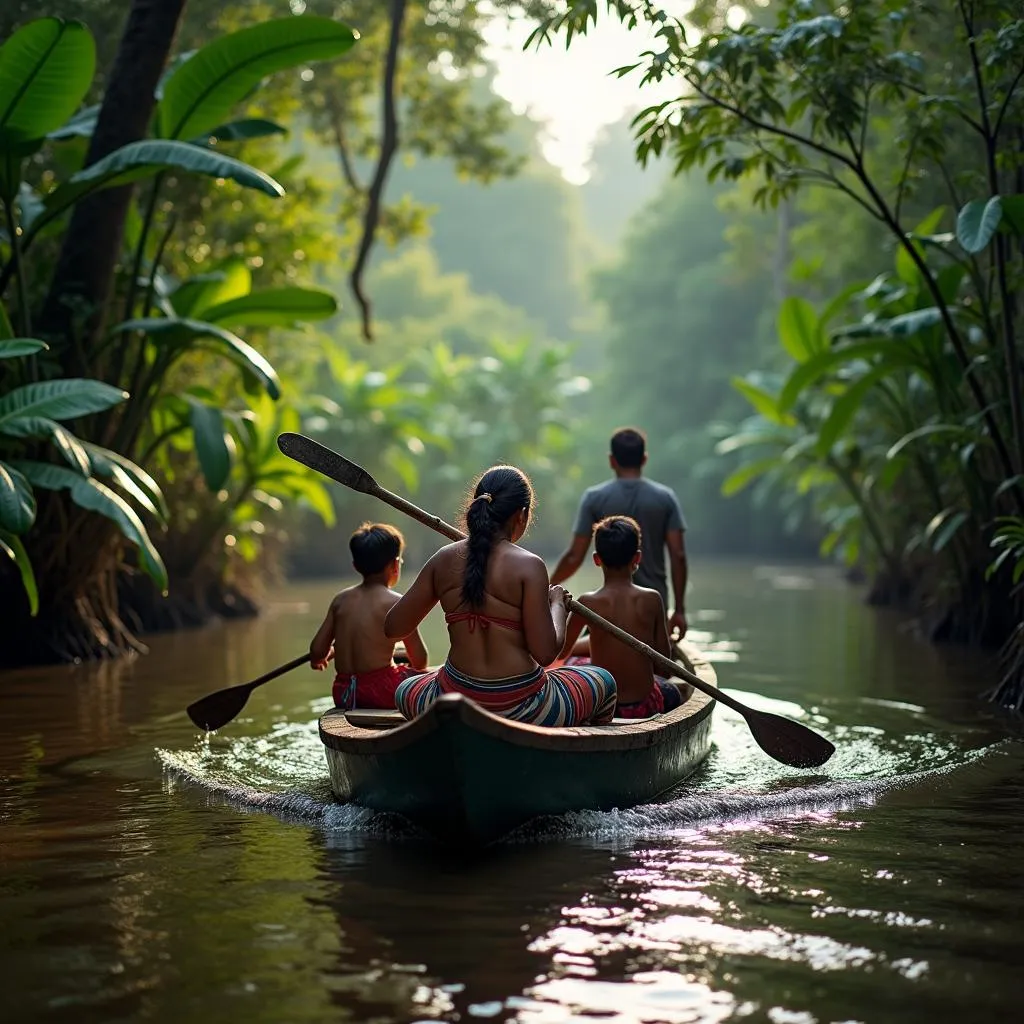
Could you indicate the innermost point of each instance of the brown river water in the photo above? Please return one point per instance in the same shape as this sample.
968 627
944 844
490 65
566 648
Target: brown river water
151 874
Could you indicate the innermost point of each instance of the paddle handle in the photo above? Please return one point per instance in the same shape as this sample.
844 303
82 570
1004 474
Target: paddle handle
302 659
417 513
667 665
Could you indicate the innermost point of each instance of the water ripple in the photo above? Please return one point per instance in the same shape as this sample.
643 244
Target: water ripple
282 772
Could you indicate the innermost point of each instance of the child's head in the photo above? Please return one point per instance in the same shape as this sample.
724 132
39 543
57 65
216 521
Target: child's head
377 548
617 543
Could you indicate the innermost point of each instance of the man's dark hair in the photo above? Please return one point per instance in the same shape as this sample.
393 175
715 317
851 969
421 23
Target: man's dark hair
374 547
628 447
617 540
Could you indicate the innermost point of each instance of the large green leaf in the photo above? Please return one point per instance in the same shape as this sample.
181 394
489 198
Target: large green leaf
202 92
943 527
809 373
46 68
80 126
798 328
217 339
927 431
906 268
61 399
746 474
17 503
242 130
977 223
210 434
129 477
847 405
93 496
193 297
274 307
902 326
766 404
15 550
143 159
66 443
12 348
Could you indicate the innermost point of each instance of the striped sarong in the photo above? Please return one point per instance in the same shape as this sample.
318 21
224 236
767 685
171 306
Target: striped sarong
580 695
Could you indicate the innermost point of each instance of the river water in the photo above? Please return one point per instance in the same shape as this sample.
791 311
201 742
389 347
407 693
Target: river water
150 874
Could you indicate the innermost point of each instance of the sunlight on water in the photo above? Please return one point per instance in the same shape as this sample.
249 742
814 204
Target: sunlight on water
220 879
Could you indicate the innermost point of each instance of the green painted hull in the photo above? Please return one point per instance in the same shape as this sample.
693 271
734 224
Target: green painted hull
469 777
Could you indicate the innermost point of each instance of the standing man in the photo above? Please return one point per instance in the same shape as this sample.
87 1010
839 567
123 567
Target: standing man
654 506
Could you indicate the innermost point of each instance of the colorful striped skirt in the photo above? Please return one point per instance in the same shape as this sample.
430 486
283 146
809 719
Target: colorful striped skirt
580 695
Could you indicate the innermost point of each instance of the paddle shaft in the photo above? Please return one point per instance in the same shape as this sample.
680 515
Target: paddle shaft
216 709
302 659
667 665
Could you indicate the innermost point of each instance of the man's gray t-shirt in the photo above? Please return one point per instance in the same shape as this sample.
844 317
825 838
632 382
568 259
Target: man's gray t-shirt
654 506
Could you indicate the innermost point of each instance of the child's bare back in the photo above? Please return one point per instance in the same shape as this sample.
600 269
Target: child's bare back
353 628
357 631
640 612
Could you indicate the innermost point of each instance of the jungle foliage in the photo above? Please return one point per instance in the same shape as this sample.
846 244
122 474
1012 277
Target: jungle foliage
159 294
893 407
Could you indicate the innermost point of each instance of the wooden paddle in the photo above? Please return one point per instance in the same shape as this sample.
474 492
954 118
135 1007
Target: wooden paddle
217 709
780 738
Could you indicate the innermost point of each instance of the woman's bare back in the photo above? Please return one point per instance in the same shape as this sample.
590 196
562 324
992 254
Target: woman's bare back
481 649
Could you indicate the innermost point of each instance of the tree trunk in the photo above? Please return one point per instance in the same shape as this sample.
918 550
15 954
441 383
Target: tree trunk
83 279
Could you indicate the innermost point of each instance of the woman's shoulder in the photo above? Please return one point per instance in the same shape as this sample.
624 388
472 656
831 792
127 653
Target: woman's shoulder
525 562
457 548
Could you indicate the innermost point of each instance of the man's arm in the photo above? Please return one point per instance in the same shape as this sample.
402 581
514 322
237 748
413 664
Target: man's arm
582 530
680 571
571 560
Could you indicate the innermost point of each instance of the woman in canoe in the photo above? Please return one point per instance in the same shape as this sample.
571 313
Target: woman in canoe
504 621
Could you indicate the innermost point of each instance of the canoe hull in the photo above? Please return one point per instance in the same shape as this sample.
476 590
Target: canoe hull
469 777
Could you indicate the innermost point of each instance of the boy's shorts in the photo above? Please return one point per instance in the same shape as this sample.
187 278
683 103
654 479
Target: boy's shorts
373 689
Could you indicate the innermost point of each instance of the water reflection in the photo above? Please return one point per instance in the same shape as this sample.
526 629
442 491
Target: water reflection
222 882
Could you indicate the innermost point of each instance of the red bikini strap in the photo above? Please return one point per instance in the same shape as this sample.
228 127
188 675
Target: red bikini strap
485 621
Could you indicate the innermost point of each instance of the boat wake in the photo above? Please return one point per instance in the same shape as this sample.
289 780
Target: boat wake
896 745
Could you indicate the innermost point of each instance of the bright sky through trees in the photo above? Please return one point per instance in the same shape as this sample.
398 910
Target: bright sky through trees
572 91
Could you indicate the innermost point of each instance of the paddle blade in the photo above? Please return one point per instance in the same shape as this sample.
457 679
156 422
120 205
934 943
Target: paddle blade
788 741
314 455
216 710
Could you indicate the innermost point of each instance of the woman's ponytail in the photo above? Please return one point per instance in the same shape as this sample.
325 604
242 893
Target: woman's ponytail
499 494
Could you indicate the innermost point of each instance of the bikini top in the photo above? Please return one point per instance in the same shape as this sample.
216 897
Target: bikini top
485 621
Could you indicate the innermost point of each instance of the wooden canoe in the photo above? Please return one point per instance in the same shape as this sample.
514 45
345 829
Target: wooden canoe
468 777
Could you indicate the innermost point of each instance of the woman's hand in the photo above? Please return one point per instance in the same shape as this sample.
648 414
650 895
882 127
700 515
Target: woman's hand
558 602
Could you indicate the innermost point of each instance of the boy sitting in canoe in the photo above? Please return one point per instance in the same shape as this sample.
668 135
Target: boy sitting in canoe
353 629
639 611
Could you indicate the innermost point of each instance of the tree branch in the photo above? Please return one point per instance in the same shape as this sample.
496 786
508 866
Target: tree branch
1006 103
337 118
388 148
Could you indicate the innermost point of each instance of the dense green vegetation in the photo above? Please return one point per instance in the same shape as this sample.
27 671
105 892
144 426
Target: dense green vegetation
131 268
810 302
894 407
